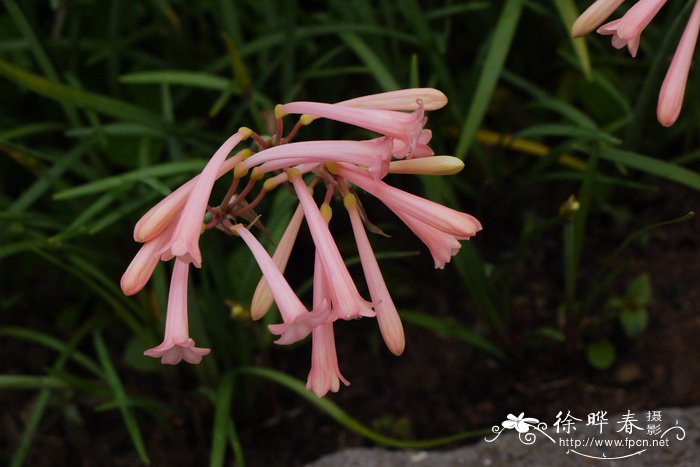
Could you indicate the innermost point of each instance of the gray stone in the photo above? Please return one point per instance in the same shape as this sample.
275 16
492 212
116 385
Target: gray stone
508 449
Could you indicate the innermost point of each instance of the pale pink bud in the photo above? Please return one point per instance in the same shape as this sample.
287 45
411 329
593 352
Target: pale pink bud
144 263
184 242
594 16
400 125
177 344
374 154
162 214
435 165
387 316
627 30
298 321
673 89
262 298
403 100
347 302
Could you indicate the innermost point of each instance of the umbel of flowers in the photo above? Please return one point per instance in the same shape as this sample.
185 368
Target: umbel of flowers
170 230
627 31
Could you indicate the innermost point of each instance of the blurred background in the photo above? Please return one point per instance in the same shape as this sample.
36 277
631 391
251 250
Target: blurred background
579 294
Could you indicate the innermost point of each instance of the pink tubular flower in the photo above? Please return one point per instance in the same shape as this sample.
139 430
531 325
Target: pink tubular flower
438 226
324 375
162 214
628 29
298 321
177 344
673 89
402 100
184 243
459 224
262 298
347 302
400 125
387 316
594 16
374 154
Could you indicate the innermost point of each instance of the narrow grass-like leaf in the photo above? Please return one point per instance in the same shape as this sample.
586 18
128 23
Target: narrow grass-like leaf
125 179
66 94
569 12
499 45
222 419
450 328
193 79
381 73
120 397
342 417
30 382
652 166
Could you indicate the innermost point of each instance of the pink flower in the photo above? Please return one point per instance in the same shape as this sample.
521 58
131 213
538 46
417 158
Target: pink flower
387 316
673 89
262 298
177 344
162 214
400 125
459 224
402 100
594 16
435 165
628 29
184 243
347 302
374 154
298 321
324 375
438 226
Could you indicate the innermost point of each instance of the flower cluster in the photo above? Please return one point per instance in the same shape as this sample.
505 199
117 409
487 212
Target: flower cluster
171 229
627 31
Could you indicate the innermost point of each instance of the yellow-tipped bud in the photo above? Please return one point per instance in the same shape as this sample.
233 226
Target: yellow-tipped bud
434 165
257 174
332 167
569 207
245 154
350 201
270 184
204 229
307 119
245 132
240 172
326 212
293 173
279 112
234 229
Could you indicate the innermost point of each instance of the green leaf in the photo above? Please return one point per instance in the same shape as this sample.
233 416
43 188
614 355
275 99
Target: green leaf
88 100
128 178
569 12
120 397
652 166
381 73
339 415
639 290
600 354
193 79
496 55
450 328
634 321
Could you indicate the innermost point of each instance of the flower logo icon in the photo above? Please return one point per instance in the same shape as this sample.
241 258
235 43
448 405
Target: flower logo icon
519 423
